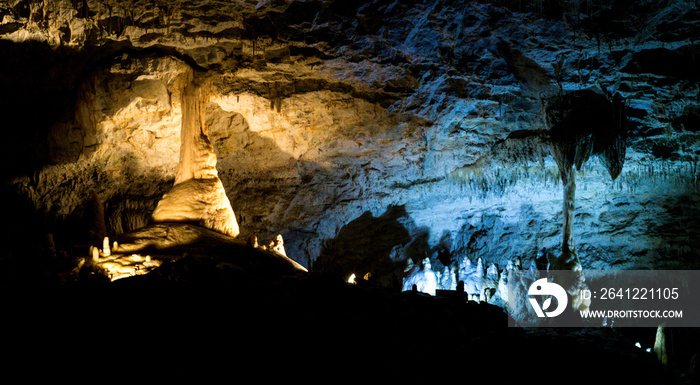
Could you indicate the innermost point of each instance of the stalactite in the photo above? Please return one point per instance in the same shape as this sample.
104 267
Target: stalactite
582 124
568 212
197 157
275 97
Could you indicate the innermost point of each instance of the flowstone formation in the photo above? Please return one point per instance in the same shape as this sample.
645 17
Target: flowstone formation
116 264
181 249
198 195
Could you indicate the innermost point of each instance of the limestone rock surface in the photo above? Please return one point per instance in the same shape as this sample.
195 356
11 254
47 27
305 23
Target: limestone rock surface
199 201
322 112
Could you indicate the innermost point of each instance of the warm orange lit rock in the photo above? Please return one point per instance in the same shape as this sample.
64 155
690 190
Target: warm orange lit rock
198 195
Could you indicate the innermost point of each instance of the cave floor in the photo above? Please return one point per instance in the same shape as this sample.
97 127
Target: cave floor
314 327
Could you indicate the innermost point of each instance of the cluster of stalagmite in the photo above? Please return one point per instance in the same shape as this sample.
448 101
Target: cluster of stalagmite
506 288
421 277
576 134
478 284
116 265
276 244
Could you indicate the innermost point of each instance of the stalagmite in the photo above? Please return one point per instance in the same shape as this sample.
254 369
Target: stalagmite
488 293
424 279
277 245
532 273
252 241
464 269
446 279
502 289
198 195
95 216
660 344
105 247
509 266
492 272
517 264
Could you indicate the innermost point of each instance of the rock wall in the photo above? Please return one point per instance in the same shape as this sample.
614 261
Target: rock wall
324 113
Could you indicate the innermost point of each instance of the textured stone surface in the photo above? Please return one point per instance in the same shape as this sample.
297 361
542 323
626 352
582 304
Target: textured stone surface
199 201
354 137
324 112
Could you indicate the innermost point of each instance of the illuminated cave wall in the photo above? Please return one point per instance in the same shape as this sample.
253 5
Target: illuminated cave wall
363 132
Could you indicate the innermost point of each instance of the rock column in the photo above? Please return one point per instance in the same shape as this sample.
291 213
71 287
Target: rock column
198 195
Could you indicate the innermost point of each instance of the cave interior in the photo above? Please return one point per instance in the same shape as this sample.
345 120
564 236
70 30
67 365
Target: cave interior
310 184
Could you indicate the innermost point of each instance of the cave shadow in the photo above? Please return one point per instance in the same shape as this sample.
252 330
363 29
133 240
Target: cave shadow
40 84
379 250
106 212
373 247
260 178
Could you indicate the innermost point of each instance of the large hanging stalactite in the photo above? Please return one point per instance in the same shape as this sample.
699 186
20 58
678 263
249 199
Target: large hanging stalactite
197 157
582 123
585 123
